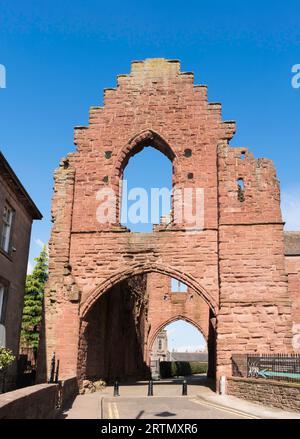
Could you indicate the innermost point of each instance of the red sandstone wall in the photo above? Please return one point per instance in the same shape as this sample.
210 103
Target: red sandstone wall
236 262
255 312
157 97
293 271
165 307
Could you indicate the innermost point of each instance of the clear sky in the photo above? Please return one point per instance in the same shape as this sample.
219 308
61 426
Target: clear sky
184 337
59 55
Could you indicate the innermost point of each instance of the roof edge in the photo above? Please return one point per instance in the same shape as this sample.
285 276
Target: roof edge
29 203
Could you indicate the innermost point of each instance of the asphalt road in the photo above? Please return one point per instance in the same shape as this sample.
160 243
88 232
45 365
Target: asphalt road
167 408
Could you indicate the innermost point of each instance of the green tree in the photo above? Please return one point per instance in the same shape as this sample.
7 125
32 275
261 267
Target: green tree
33 301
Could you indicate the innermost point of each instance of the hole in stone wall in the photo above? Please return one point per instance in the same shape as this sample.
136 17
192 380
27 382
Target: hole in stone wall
190 176
107 154
243 155
187 152
241 189
178 287
146 192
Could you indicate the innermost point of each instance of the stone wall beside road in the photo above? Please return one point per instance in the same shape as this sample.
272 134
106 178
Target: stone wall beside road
270 393
42 401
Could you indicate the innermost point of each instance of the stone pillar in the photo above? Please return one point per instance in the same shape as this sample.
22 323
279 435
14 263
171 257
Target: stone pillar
62 295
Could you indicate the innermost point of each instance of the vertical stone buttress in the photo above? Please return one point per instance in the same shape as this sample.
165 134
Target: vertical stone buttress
62 295
255 308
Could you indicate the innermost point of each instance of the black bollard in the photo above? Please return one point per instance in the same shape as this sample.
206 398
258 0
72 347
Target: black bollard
56 372
150 388
184 388
116 389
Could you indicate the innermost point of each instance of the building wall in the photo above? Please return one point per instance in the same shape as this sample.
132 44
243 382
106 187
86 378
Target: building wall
13 268
236 264
293 272
159 351
166 306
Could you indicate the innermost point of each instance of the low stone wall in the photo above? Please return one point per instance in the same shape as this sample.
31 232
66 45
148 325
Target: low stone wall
268 392
34 402
38 402
69 389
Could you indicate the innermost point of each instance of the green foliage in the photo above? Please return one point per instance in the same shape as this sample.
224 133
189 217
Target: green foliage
33 301
170 369
6 358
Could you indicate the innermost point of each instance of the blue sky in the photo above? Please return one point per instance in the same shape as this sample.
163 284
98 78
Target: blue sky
184 337
60 55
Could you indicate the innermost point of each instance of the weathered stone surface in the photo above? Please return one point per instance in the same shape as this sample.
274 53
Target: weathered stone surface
269 393
234 268
33 402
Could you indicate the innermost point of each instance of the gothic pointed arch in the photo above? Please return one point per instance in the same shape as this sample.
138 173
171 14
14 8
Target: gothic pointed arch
137 143
172 320
135 270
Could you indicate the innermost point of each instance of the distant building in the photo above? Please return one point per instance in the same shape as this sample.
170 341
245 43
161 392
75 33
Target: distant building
160 347
160 353
17 211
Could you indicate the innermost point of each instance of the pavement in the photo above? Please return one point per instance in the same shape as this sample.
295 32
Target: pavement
167 402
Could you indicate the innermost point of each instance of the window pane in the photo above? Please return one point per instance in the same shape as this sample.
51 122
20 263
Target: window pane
1 300
6 228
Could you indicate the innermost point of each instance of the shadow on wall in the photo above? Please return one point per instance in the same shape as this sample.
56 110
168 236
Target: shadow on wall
113 334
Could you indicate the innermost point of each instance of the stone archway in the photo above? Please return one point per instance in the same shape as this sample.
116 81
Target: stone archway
172 320
135 270
136 144
119 318
235 264
208 333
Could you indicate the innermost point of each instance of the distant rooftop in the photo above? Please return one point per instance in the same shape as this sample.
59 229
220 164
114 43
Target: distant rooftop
189 356
8 174
292 243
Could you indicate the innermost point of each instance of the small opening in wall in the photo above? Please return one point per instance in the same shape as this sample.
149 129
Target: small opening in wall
178 287
243 155
187 152
241 189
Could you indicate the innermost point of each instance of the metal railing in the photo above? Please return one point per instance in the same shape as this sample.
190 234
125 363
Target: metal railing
278 367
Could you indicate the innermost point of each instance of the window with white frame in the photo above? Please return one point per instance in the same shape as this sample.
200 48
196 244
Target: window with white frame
178 287
6 227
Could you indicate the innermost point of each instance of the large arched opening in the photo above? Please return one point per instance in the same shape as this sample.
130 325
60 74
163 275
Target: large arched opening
179 348
120 322
145 173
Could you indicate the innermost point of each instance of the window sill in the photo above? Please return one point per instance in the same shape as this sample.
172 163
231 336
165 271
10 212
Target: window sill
7 255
